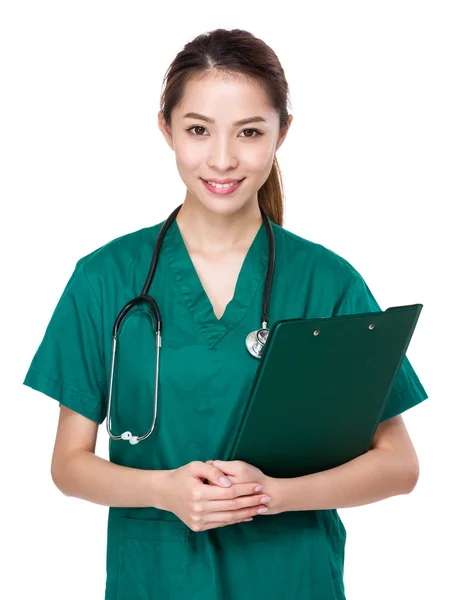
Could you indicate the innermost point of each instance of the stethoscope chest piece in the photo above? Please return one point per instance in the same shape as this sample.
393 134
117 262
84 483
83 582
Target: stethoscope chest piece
256 341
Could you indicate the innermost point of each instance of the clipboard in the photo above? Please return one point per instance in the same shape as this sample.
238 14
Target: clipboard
320 390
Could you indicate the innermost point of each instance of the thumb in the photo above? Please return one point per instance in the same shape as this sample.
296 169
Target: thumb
218 477
219 464
211 473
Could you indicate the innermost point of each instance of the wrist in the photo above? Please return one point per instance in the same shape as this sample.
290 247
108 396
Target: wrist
159 484
275 487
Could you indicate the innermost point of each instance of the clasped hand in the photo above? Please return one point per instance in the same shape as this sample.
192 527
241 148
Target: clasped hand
239 472
197 493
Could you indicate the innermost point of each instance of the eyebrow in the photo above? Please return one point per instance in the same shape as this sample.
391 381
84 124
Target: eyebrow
194 115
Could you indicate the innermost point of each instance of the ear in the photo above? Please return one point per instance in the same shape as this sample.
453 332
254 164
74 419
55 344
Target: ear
283 132
165 129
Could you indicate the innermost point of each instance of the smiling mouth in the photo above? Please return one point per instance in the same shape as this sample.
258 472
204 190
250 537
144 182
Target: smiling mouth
237 181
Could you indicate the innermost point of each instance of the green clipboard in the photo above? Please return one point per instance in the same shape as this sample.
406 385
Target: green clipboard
320 390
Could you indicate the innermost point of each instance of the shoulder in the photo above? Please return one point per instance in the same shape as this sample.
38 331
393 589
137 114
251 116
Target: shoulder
119 252
318 260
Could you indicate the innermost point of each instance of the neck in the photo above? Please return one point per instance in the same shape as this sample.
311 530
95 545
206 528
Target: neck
211 233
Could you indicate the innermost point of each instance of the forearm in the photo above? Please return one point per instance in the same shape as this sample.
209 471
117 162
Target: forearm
89 477
373 476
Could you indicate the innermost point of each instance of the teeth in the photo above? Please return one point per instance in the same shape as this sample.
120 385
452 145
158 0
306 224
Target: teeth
224 185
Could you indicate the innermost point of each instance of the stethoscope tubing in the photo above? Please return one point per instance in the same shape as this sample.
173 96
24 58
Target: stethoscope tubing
254 342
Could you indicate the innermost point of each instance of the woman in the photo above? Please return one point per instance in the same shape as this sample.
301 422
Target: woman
180 521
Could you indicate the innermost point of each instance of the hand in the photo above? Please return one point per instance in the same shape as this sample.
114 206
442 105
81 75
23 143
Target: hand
239 472
202 506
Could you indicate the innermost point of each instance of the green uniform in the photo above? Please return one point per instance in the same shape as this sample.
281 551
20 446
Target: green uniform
205 374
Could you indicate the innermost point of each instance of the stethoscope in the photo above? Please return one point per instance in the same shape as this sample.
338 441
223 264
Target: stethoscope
255 341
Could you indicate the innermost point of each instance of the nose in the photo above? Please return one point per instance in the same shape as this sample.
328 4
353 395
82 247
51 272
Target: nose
222 155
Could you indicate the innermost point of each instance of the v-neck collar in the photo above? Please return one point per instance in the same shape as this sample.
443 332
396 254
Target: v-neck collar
253 271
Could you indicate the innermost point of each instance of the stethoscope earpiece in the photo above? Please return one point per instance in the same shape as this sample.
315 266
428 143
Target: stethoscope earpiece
255 341
133 439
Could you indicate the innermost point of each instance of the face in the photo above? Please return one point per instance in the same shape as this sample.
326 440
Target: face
222 149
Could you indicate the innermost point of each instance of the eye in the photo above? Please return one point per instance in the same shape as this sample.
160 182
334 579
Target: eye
195 127
255 130
258 133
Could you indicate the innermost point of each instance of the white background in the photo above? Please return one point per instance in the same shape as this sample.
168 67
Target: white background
369 172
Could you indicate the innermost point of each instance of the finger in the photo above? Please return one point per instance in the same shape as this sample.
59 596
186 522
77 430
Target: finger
217 492
236 504
213 525
232 516
204 471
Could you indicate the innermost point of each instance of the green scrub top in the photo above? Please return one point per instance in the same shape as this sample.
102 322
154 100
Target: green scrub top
205 375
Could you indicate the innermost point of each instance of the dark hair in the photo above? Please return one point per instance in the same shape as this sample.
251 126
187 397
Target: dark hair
233 51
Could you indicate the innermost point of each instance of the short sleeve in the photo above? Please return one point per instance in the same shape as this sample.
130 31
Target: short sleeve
68 365
407 390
